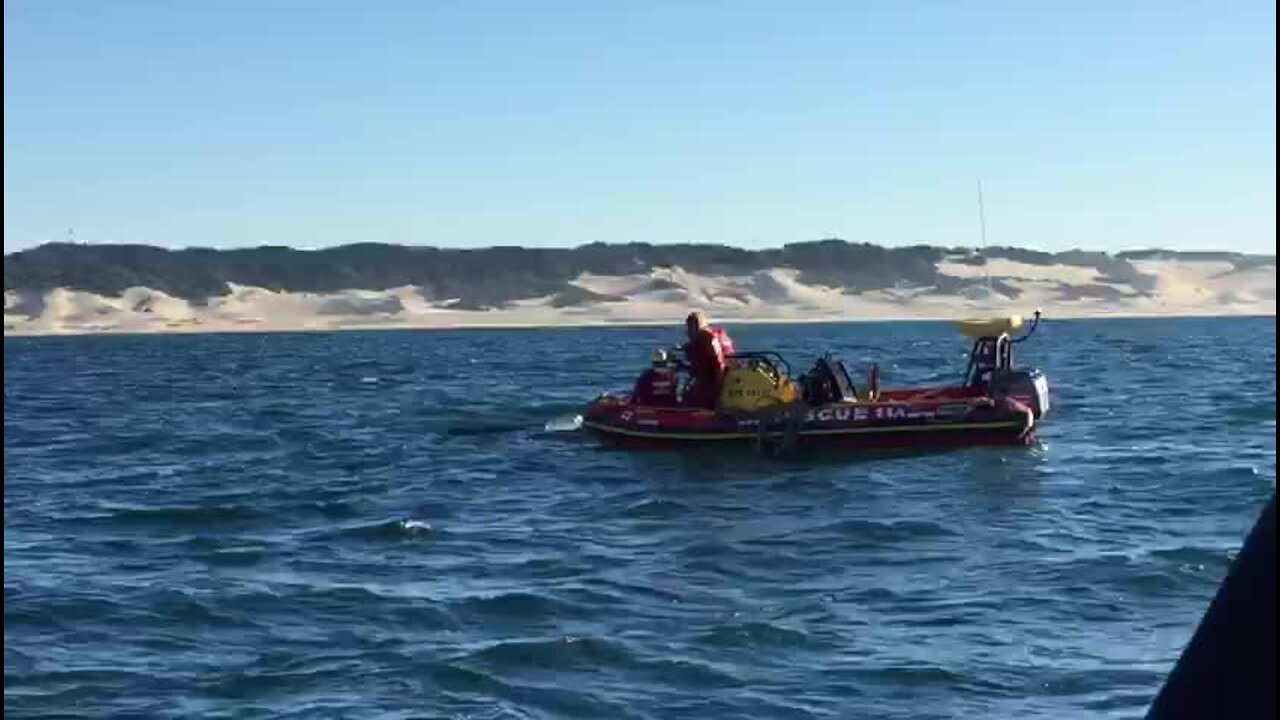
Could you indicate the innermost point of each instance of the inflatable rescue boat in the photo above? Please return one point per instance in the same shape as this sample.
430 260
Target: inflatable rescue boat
761 402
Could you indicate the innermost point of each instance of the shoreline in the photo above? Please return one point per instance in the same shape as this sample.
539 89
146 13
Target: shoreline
662 297
255 329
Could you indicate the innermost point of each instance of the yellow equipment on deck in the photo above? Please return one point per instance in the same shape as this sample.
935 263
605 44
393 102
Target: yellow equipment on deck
755 386
994 327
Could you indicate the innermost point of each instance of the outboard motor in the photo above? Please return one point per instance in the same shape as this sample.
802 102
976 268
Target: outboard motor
1029 387
991 368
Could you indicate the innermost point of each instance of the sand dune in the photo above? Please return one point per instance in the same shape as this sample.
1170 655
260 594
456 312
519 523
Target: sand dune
664 295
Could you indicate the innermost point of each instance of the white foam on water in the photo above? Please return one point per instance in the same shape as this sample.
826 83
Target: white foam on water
564 423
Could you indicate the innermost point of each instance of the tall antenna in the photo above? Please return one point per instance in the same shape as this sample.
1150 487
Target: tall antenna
982 217
982 223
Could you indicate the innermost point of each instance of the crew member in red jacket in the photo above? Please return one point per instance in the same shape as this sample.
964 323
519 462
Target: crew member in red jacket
706 351
656 386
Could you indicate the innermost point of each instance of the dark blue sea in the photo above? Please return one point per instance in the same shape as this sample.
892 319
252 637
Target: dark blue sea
378 525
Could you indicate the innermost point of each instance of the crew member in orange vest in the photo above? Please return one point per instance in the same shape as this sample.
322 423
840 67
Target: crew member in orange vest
706 351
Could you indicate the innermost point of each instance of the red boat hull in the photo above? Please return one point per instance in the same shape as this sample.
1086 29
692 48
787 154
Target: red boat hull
901 420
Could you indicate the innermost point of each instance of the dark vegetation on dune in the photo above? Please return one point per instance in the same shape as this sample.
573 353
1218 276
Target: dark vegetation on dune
490 277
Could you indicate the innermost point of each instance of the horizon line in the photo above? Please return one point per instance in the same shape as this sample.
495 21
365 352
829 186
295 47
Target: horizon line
640 243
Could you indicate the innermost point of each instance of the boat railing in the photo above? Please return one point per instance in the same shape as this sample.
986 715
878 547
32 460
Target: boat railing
774 359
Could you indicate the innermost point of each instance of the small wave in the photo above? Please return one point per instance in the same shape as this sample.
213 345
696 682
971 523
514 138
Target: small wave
755 634
684 672
1113 702
708 549
76 682
1157 583
559 701
388 530
640 590
243 683
1087 681
563 653
1246 414
548 567
187 609
1196 558
522 606
244 556
590 597
881 595
18 661
563 423
57 612
892 531
455 678
503 420
334 509
182 516
912 676
396 604
1123 573
485 427
656 509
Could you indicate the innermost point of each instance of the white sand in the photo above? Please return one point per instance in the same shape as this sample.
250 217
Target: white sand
1013 270
662 296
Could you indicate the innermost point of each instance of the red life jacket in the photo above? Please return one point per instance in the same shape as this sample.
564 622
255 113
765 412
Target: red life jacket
706 357
726 344
706 354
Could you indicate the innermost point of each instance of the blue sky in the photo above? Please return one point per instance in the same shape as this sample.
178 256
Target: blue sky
1102 125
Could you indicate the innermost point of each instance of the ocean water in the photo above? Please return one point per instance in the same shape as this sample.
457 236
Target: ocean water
378 525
